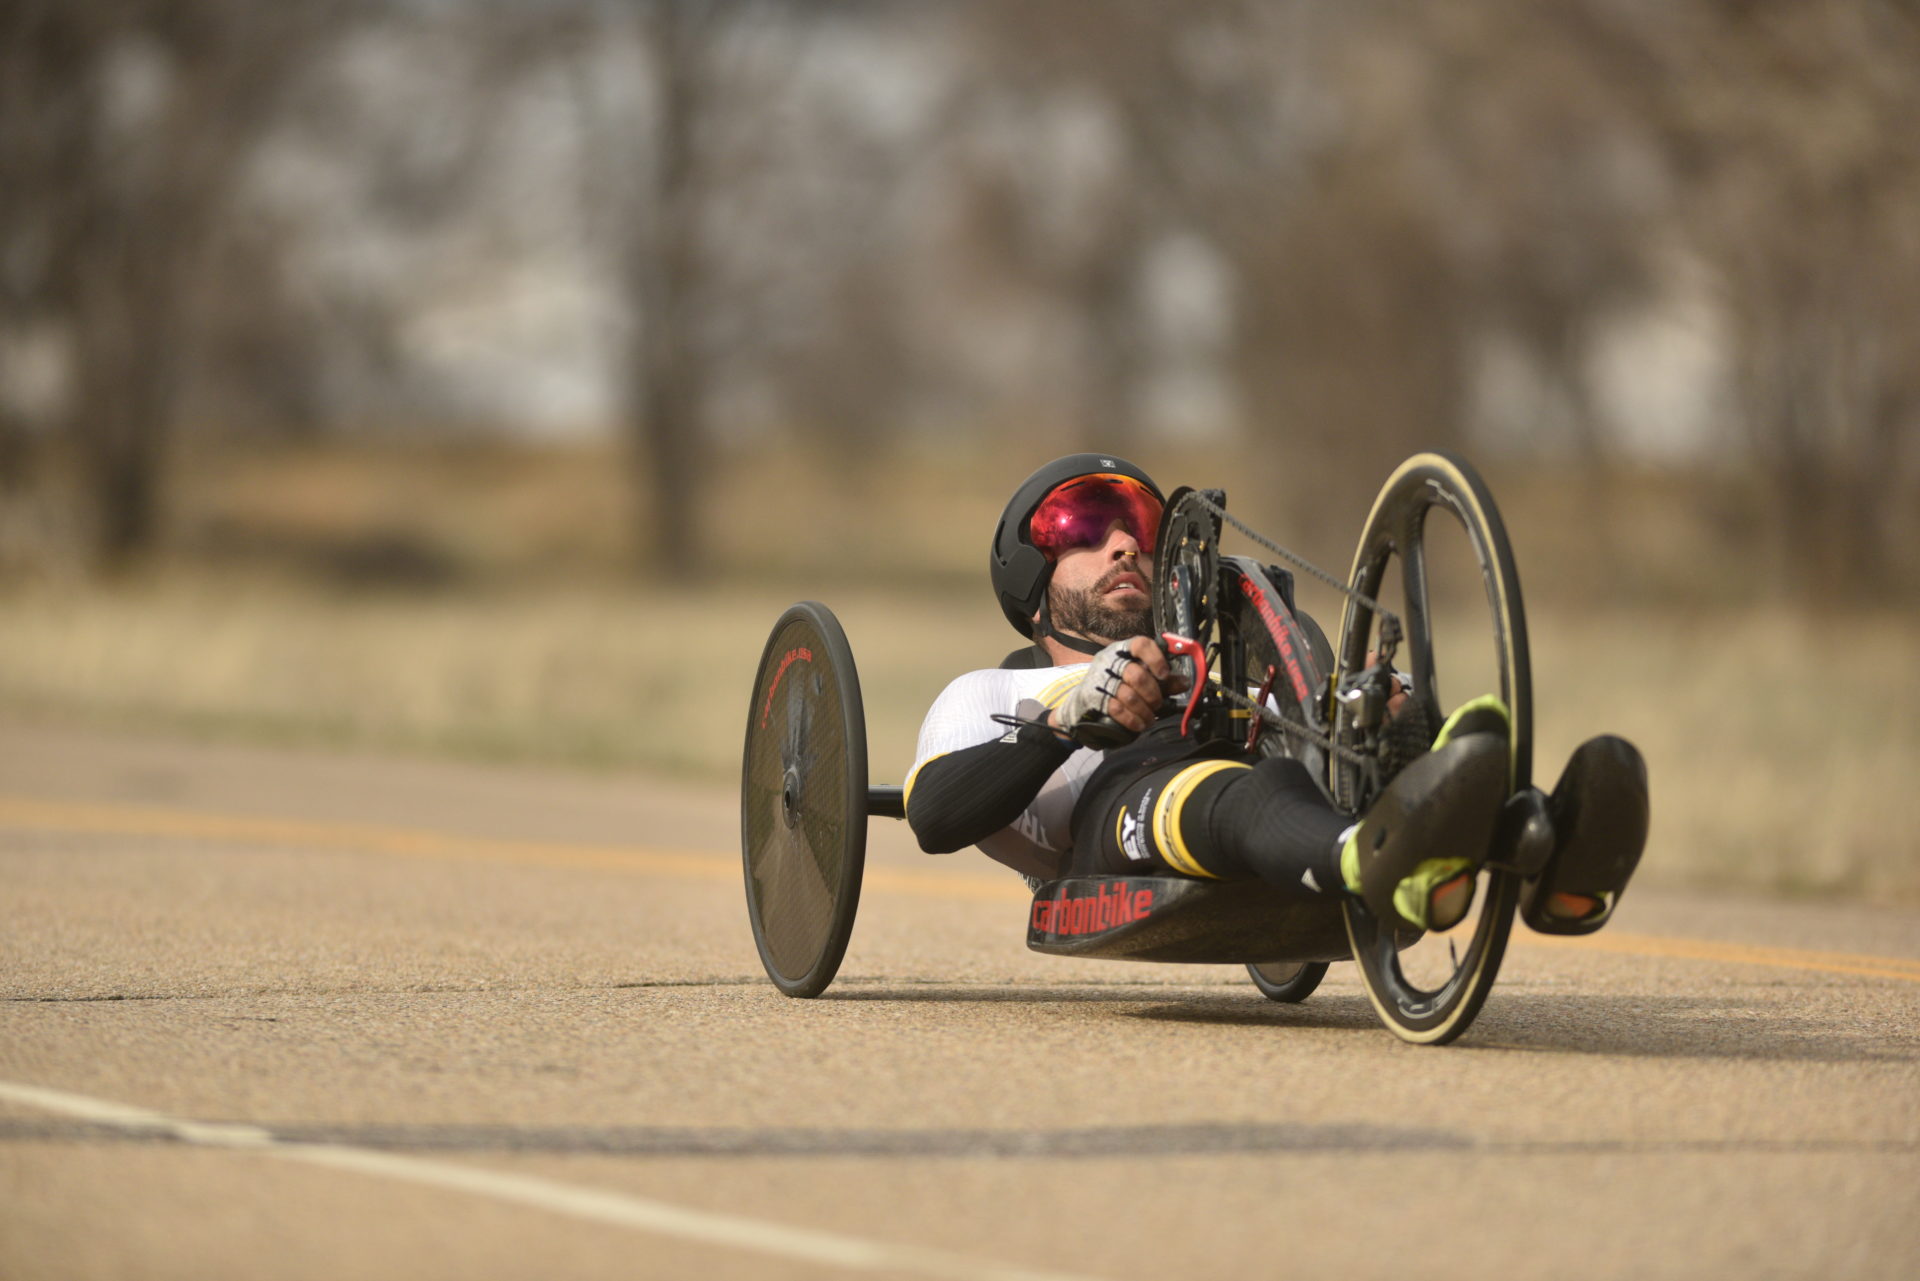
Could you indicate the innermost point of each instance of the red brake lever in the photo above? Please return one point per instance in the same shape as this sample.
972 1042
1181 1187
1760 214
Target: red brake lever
1176 644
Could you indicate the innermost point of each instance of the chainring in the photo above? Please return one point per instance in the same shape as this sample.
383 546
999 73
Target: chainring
1186 561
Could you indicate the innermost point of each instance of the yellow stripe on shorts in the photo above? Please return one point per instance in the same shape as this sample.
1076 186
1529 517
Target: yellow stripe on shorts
1166 815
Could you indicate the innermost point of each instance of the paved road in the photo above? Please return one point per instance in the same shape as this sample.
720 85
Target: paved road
269 1015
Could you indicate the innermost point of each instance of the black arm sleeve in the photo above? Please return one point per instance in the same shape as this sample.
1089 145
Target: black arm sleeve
966 796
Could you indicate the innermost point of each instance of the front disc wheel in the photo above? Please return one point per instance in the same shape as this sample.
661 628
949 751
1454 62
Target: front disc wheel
1434 548
1289 981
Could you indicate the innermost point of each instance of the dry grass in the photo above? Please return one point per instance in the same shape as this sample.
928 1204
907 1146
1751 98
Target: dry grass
1783 747
482 602
589 675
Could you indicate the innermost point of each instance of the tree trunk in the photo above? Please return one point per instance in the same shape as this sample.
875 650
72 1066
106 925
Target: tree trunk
122 408
668 393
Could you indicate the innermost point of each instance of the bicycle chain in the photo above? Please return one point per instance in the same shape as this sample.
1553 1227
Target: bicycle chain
1380 611
1390 635
1274 720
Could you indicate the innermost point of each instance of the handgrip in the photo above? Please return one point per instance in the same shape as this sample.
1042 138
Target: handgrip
1186 647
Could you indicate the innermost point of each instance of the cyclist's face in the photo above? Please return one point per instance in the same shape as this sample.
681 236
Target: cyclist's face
1102 591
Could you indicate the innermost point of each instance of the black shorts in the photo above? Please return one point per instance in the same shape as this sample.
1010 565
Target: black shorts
1127 819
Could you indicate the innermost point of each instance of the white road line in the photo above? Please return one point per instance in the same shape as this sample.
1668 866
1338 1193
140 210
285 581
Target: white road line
809 1245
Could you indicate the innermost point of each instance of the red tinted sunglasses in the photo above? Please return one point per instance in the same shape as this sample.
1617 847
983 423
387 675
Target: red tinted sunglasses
1081 512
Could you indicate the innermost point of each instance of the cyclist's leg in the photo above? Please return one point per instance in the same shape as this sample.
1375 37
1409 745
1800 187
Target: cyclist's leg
1227 818
1223 818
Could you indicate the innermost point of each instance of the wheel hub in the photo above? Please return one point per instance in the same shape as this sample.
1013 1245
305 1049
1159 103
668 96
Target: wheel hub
790 795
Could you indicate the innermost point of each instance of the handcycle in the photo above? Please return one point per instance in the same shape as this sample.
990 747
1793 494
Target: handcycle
1261 675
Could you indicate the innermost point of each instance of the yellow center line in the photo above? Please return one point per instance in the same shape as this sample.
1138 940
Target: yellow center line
1883 967
419 843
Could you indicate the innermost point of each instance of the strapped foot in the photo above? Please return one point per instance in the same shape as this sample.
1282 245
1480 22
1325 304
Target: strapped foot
1599 810
1415 855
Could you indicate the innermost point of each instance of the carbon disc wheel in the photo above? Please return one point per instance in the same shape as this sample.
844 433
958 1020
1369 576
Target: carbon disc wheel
1289 981
803 800
1434 549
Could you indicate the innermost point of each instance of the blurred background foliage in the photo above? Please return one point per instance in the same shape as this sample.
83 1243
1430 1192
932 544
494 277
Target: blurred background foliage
568 319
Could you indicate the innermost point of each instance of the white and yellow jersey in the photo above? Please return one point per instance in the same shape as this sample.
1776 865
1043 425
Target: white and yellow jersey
962 717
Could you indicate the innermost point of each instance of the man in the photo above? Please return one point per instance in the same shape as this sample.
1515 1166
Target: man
1001 762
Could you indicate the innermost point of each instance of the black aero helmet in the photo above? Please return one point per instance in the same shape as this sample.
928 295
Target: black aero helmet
1020 570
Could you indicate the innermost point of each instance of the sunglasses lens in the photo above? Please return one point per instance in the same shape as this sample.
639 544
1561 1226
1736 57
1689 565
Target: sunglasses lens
1083 511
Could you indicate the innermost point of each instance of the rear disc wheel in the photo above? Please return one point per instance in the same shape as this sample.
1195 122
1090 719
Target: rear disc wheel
803 800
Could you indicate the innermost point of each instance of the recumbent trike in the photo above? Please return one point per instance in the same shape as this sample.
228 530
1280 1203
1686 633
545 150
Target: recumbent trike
1256 673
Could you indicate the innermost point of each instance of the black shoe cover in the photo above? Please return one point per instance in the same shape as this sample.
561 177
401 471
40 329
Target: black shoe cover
1599 810
1443 806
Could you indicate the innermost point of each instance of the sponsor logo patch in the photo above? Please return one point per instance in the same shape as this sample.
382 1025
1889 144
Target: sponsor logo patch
800 654
1028 824
1109 906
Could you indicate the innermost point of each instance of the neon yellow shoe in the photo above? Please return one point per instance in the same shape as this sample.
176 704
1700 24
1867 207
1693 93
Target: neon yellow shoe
1413 858
1483 715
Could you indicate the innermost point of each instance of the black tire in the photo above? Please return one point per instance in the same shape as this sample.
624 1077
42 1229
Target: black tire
803 800
1290 981
1441 1002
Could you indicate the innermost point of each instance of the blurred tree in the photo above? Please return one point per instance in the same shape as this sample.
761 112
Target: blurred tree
1280 136
1098 98
1786 131
827 221
1798 123
124 128
665 281
710 124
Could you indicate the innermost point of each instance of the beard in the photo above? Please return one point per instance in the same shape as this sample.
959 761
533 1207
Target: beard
1088 613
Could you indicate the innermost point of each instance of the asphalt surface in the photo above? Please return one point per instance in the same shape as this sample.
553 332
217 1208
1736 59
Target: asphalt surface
267 1014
